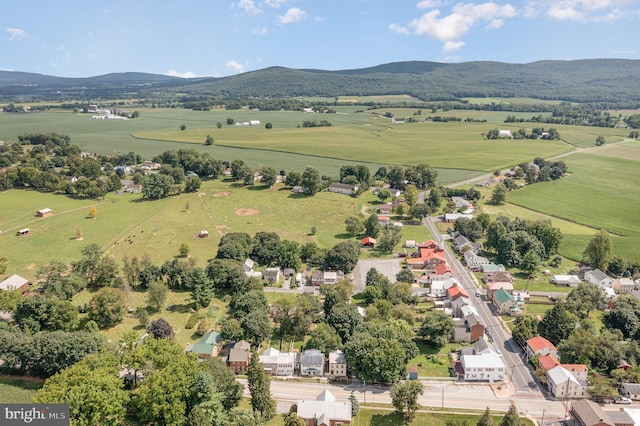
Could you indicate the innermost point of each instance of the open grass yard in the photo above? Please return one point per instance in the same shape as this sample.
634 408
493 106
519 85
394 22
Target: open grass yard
435 362
180 303
585 136
600 192
18 391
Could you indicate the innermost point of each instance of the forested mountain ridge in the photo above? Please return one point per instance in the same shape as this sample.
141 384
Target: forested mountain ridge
589 80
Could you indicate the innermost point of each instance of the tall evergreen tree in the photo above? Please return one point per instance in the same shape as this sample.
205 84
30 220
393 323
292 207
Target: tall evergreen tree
486 419
259 388
511 418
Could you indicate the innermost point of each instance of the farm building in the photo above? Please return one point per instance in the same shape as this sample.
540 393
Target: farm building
44 212
369 242
342 188
15 282
22 232
203 234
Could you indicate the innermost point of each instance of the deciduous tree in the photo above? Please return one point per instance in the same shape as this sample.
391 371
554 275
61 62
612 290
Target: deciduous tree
107 307
598 250
404 397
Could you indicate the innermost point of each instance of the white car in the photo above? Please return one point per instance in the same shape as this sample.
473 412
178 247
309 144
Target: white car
622 400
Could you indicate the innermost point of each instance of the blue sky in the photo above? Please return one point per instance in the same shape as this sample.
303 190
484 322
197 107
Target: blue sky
193 38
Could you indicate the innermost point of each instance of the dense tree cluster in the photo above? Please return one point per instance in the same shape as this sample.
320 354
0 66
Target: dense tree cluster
512 240
44 354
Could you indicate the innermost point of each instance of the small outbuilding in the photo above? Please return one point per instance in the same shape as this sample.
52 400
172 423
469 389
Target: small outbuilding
204 234
15 282
369 242
23 232
44 212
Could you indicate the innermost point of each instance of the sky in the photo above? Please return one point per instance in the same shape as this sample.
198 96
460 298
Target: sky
216 38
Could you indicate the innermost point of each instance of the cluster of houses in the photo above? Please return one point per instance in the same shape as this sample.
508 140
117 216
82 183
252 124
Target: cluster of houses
324 410
563 380
310 282
611 287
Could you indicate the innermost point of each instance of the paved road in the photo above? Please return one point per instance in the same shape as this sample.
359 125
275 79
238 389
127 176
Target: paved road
518 371
437 395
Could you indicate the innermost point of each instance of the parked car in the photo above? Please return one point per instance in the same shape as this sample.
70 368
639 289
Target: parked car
621 400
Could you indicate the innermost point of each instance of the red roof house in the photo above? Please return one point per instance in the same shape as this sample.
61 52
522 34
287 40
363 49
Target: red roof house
540 346
369 242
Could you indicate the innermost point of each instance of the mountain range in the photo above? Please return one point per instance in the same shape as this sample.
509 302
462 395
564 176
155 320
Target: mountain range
589 80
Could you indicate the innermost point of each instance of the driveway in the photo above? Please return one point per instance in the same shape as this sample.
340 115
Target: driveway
387 267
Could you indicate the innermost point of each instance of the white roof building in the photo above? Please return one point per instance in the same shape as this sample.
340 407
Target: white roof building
325 410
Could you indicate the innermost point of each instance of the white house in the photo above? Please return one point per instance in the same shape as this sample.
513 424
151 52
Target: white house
452 217
342 188
568 280
474 261
562 384
312 363
337 364
276 363
599 278
325 410
485 367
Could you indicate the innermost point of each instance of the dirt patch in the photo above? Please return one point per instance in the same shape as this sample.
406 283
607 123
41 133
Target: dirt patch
246 212
225 194
31 266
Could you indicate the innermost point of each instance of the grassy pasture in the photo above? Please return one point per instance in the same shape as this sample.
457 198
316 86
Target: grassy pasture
600 192
127 226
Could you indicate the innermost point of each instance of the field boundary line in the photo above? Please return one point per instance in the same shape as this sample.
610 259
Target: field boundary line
567 220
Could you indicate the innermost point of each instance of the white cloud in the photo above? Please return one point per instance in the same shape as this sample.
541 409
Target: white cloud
495 24
249 6
398 29
292 16
260 31
585 10
16 33
452 46
275 3
429 4
234 66
188 74
450 29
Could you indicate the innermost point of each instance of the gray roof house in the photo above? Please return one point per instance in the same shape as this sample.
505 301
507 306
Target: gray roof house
312 363
630 390
599 278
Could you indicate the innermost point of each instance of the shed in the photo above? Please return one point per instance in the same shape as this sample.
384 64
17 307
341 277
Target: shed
15 282
44 212
22 232
412 373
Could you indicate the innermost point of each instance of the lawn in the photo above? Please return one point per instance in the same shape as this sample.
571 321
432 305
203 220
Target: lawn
438 367
17 391
181 304
374 417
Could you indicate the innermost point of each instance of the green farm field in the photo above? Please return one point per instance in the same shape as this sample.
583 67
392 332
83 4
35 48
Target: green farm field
157 130
600 192
441 145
